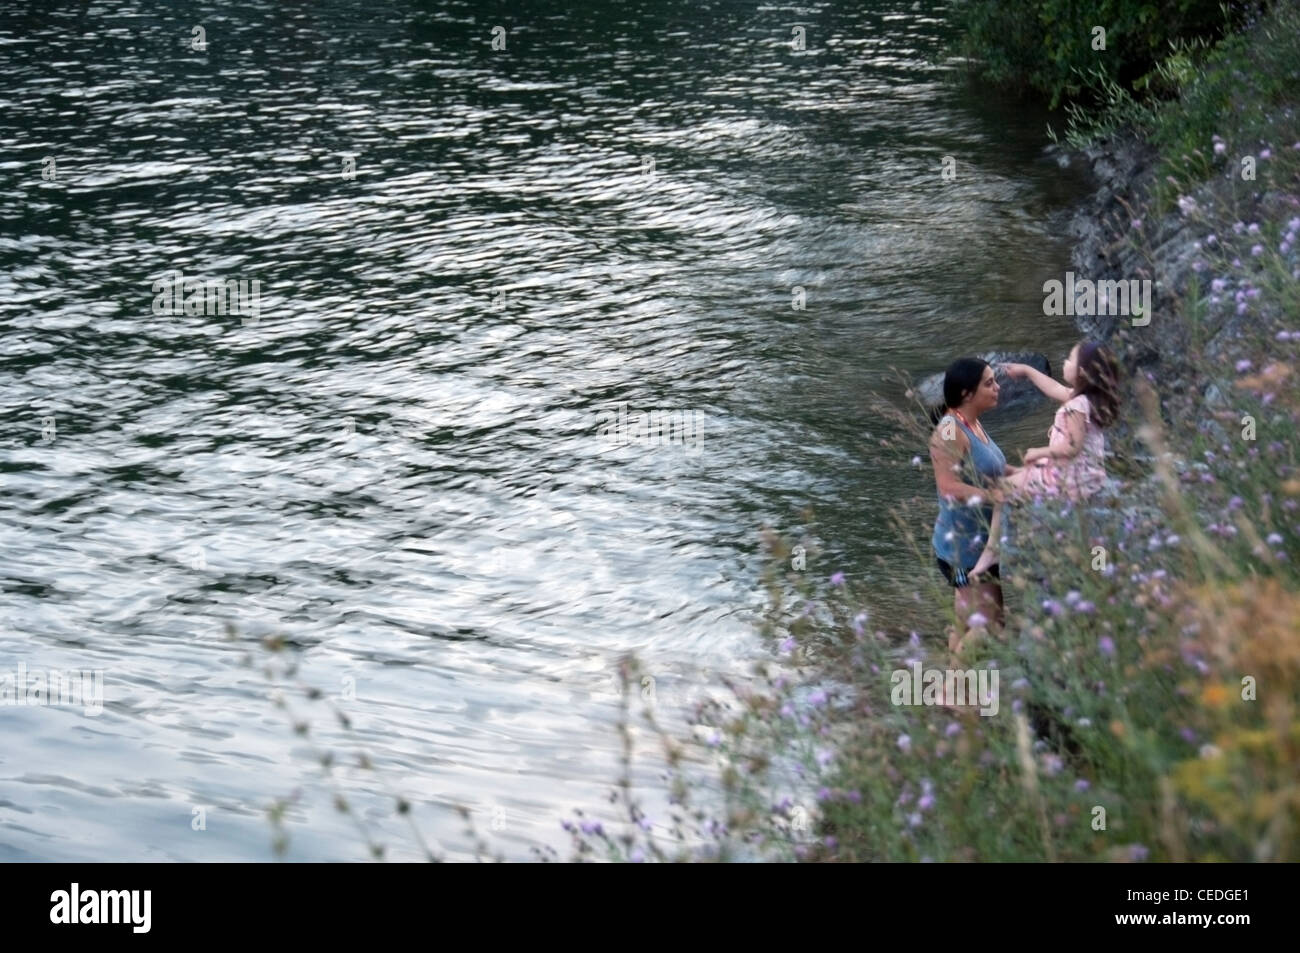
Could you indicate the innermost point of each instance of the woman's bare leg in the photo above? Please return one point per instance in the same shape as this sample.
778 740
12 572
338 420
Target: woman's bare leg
984 598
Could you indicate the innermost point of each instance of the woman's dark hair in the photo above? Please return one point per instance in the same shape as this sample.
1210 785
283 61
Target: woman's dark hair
962 378
1097 378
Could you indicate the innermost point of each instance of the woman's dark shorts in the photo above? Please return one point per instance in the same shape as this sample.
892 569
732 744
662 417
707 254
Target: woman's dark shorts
959 582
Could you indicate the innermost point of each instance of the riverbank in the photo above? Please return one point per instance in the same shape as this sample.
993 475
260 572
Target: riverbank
1143 701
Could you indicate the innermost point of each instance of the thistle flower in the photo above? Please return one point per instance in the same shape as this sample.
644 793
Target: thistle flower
904 743
1106 645
837 579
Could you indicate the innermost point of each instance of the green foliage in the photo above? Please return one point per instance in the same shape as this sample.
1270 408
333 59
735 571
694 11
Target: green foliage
1203 107
1054 48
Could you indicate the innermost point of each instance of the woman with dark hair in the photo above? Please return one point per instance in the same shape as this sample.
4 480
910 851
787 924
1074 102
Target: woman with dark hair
1073 462
967 467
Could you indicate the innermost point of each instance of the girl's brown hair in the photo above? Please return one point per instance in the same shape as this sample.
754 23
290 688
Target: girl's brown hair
1097 379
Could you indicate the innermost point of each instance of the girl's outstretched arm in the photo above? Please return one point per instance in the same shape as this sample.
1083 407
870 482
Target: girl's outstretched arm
1056 391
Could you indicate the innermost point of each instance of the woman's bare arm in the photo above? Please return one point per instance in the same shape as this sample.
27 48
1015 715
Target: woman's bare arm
946 456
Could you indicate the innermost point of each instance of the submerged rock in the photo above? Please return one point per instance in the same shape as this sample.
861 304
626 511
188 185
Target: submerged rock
1014 393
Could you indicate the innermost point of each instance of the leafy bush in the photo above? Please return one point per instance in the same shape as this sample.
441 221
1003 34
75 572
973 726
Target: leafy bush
1051 45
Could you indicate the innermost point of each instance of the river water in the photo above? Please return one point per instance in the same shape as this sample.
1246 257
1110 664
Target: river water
396 462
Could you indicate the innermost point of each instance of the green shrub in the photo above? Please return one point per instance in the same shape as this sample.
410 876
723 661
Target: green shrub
1050 46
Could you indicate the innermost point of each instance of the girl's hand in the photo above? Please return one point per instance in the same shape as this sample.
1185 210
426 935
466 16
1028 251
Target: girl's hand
1035 455
1016 370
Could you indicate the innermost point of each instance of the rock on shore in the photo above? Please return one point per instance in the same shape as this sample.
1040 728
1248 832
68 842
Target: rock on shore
1014 393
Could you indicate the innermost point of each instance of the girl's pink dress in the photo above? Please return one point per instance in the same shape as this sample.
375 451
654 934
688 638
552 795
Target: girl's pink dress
1077 478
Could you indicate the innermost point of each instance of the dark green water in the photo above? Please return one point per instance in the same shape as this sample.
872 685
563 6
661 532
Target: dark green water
397 463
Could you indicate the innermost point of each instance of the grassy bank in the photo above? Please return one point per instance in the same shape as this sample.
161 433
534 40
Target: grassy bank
1149 677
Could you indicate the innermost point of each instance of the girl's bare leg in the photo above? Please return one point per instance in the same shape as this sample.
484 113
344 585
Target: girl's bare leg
1014 486
990 554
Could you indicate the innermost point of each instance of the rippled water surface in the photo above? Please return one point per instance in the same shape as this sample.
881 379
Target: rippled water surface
396 462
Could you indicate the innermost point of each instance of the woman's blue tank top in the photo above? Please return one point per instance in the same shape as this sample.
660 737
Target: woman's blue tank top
960 531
